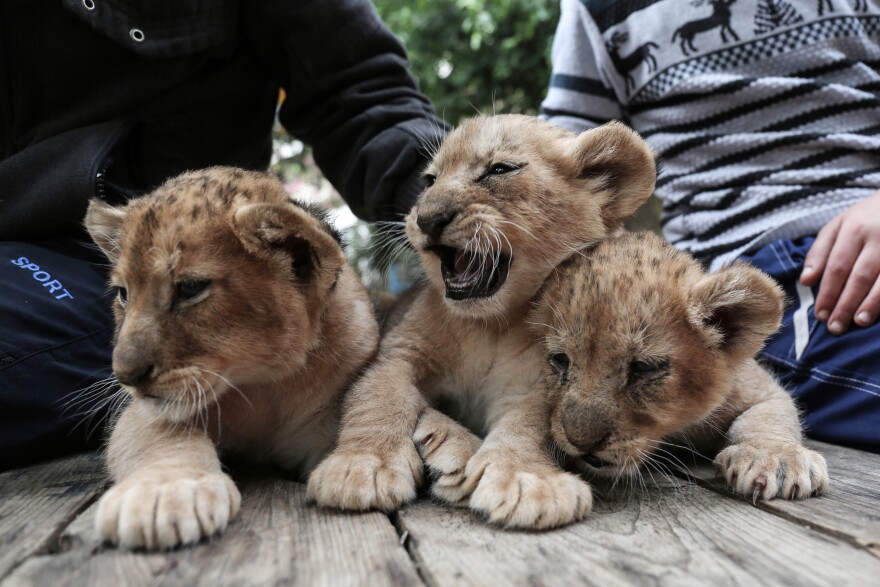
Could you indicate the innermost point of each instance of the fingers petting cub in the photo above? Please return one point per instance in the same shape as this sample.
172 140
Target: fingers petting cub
648 356
214 272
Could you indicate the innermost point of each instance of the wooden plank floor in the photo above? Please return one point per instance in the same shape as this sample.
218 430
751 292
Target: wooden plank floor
677 532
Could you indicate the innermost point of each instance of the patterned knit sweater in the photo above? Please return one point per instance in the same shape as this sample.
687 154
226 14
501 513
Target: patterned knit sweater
765 113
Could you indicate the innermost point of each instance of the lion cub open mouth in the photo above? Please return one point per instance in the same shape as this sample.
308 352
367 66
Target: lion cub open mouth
468 274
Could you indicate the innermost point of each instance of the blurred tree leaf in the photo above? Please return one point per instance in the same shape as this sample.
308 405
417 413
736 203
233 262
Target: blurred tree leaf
476 55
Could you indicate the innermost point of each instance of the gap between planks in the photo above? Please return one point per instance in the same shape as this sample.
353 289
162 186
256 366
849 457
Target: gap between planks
277 539
37 503
849 511
671 534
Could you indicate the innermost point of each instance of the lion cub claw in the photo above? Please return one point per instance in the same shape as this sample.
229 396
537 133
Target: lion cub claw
360 481
446 447
146 513
534 496
788 471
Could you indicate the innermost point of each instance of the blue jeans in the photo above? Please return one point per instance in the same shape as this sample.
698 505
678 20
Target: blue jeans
835 380
56 330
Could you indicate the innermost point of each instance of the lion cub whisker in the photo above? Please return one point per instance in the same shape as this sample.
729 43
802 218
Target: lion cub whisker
102 397
86 396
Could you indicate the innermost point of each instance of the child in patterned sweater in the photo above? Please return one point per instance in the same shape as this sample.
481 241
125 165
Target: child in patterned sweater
766 118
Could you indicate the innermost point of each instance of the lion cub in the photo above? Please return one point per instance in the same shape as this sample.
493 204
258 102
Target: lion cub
238 327
508 198
646 353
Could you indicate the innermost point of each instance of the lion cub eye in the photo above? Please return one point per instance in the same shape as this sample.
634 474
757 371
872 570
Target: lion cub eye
190 291
122 296
559 361
429 180
647 369
501 168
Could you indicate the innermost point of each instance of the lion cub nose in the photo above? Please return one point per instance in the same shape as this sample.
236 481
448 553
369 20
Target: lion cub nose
586 434
588 448
134 375
434 224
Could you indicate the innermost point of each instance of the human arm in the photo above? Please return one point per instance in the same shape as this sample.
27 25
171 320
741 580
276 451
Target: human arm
350 95
846 257
578 97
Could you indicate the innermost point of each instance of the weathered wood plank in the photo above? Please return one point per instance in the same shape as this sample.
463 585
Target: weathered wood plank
851 507
277 538
674 534
37 502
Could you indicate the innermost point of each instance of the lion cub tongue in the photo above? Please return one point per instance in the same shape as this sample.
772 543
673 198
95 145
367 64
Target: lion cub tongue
467 267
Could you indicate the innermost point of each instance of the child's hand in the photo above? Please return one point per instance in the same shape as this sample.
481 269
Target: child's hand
846 256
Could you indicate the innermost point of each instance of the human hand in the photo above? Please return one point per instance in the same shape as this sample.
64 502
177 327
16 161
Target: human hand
846 256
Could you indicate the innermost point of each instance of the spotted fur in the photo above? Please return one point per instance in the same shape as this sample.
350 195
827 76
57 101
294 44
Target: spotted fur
239 326
646 356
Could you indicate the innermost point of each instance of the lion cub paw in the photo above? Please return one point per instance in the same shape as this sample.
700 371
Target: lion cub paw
446 446
537 496
789 471
148 513
360 481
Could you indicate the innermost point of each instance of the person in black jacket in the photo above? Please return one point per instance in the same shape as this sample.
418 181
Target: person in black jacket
108 98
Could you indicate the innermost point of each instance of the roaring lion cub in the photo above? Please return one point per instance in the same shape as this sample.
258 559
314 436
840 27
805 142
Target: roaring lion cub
646 353
508 198
238 327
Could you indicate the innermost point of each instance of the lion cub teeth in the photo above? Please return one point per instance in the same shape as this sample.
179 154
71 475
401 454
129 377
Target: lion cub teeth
468 267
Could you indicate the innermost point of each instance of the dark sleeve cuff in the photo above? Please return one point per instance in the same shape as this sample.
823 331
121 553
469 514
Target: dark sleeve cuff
407 193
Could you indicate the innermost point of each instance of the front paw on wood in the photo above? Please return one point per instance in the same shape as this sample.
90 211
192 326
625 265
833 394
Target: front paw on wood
531 496
161 514
360 481
446 446
788 471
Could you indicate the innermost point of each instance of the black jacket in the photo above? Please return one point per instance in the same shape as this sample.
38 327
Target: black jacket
111 97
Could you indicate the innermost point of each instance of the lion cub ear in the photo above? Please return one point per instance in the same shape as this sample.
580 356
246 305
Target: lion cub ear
104 222
615 160
738 307
315 255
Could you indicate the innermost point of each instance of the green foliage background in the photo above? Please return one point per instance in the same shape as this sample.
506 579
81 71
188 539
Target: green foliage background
476 55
